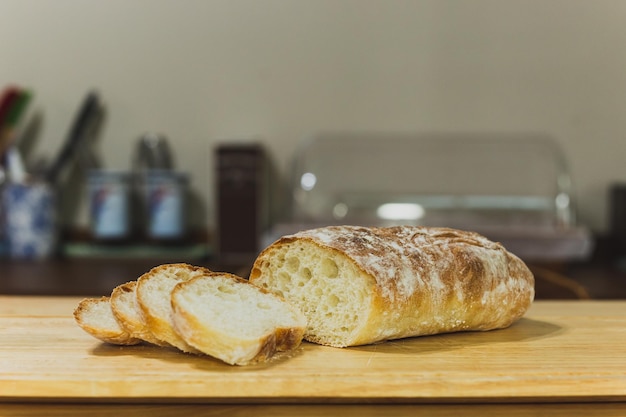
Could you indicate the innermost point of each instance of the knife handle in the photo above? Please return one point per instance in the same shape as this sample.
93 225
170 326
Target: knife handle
87 115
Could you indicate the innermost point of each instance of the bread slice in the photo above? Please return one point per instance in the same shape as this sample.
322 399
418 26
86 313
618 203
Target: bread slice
360 285
230 319
128 314
94 315
153 294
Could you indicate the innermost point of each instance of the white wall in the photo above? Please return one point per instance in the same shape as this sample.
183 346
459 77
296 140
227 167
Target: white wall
206 70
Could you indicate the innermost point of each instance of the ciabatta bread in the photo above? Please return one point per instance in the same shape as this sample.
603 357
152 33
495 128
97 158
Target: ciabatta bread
230 319
153 294
128 314
94 315
359 285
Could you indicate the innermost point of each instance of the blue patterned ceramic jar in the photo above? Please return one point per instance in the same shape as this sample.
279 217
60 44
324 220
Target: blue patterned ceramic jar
30 220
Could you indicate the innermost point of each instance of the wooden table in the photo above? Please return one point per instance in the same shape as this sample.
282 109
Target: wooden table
563 358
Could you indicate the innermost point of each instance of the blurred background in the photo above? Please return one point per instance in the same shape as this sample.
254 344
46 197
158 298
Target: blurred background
222 106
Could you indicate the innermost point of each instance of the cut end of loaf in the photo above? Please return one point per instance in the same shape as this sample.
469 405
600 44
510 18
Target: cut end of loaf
333 293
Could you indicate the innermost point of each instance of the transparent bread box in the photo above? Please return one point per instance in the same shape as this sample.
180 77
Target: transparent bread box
512 188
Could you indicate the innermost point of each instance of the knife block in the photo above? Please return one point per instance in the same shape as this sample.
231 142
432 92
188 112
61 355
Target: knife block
241 202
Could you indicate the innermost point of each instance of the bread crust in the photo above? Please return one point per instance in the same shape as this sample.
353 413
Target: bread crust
422 280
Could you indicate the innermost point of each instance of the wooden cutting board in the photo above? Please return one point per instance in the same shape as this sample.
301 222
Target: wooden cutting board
565 351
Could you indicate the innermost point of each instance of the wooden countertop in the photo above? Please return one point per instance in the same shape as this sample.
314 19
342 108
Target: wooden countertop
570 352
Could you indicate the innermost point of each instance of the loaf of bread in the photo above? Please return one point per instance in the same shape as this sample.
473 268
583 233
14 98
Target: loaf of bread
128 314
94 316
153 292
359 285
230 319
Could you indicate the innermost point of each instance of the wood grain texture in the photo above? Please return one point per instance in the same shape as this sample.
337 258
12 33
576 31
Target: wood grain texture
562 351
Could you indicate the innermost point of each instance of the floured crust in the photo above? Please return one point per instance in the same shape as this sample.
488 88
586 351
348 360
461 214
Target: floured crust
421 280
94 316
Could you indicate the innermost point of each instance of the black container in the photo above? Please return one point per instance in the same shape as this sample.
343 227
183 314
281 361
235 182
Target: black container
241 201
